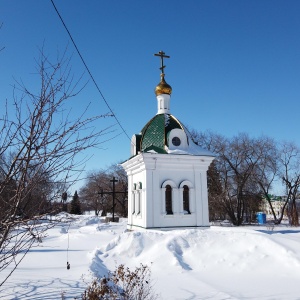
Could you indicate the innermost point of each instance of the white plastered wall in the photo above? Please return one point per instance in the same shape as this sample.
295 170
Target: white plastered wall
153 171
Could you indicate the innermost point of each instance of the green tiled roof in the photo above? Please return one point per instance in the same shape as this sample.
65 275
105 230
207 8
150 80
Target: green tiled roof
154 134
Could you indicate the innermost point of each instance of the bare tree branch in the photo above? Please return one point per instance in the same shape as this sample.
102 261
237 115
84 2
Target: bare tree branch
39 150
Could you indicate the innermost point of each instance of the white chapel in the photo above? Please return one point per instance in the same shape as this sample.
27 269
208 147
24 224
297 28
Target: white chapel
167 179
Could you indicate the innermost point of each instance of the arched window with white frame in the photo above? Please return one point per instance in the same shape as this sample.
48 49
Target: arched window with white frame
133 198
186 197
168 188
137 199
186 200
168 197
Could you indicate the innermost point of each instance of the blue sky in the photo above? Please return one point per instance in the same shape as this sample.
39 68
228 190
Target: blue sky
234 66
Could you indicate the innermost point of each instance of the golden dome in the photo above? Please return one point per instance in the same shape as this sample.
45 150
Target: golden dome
163 87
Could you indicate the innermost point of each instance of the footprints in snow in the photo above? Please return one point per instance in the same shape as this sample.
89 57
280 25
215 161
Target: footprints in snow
175 246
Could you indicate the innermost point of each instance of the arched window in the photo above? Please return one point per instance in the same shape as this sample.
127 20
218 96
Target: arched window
138 200
186 199
133 202
169 200
133 198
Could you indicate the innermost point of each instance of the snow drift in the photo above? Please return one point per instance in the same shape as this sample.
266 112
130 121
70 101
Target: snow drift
215 263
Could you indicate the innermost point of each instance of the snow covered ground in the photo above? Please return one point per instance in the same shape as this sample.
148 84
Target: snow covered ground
217 263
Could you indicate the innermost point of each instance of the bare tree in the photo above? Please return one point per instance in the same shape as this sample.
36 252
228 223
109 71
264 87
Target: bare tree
247 169
290 163
39 150
237 162
215 194
216 188
267 172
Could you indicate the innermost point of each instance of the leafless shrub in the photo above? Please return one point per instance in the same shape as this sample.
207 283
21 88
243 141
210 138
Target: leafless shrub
122 284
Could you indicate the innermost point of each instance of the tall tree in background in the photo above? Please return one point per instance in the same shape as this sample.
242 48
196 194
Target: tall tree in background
64 198
215 194
290 174
75 205
237 162
266 174
236 166
38 151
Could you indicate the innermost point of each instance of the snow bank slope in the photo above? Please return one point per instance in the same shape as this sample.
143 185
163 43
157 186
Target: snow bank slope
220 263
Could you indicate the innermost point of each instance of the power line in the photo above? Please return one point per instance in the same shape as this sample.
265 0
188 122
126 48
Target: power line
88 70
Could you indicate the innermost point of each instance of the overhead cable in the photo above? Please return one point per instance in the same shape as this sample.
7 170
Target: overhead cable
88 70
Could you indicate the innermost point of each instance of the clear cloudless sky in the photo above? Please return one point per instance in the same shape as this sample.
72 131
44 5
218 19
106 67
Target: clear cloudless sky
234 66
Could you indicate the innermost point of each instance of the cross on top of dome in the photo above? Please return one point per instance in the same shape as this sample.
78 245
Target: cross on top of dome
162 56
162 87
